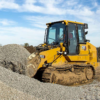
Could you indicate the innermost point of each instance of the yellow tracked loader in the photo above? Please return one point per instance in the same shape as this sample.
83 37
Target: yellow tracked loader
66 57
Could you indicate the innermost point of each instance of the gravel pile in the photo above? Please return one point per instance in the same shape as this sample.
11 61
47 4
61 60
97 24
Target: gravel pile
47 91
8 93
14 57
2 55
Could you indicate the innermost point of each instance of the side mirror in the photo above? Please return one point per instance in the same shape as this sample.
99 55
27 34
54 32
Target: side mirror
86 32
86 26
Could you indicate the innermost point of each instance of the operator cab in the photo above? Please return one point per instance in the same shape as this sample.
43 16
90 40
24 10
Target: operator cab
71 34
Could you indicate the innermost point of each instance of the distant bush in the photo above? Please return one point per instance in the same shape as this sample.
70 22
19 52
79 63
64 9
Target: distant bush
26 45
31 49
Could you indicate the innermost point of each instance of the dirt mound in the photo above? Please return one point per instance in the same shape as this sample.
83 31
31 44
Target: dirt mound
31 49
14 57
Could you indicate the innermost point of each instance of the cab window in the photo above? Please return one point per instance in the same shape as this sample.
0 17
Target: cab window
72 39
51 35
81 34
61 34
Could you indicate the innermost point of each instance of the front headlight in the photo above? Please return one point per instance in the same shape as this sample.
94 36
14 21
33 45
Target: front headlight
42 56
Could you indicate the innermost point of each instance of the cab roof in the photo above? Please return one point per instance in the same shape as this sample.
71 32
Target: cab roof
66 22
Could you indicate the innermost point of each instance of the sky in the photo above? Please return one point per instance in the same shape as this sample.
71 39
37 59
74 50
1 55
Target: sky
24 21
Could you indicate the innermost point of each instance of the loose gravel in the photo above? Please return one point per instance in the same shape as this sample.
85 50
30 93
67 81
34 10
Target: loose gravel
14 57
2 55
15 52
47 91
8 93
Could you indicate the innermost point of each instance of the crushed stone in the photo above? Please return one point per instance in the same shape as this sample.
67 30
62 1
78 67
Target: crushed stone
9 93
48 91
14 57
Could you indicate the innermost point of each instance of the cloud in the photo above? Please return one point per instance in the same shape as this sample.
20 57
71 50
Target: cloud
95 40
98 11
21 35
44 7
6 22
70 3
59 7
84 11
48 7
8 4
30 1
40 21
